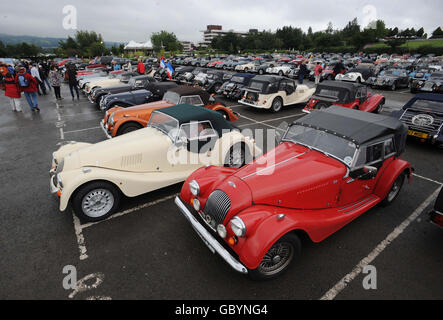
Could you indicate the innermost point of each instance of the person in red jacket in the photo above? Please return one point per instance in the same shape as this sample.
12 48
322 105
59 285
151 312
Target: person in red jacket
141 67
12 91
317 72
29 86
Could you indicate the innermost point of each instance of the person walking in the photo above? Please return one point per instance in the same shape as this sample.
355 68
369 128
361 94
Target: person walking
44 76
72 80
29 86
36 74
141 67
303 71
55 79
317 72
12 91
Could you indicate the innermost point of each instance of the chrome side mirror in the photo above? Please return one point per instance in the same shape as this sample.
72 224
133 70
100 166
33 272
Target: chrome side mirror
370 170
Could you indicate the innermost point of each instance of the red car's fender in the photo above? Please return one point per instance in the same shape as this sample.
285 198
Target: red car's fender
265 227
372 103
391 173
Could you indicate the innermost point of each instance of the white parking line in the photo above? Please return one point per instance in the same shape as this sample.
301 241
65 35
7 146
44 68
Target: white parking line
80 227
342 284
80 130
270 120
142 206
430 180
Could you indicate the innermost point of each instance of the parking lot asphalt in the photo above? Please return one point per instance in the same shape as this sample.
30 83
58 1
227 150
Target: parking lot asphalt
149 251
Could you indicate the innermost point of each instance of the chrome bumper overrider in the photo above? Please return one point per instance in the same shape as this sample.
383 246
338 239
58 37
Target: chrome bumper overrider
102 125
209 240
52 187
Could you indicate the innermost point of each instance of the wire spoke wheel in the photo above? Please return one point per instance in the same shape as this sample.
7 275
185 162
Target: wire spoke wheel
277 258
97 203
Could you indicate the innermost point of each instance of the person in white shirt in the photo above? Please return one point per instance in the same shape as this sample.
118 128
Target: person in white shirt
36 74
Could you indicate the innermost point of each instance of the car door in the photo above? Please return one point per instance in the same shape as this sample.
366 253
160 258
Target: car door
359 184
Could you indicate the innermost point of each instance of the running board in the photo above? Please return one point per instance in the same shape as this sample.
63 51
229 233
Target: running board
366 203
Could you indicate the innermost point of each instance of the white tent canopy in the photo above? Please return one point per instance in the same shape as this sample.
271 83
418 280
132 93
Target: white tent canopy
132 45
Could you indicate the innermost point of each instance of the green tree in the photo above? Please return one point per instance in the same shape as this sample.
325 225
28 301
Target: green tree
438 33
165 40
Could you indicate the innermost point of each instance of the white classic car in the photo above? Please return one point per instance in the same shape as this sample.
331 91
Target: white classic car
281 70
247 66
112 80
359 74
274 92
177 141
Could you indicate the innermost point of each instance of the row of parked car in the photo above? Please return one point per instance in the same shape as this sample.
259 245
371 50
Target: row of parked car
328 168
127 89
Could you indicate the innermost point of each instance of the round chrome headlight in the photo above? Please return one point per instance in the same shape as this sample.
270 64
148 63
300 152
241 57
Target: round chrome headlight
221 230
196 204
194 187
238 227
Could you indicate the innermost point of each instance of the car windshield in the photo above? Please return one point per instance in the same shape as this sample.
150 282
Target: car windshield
426 105
257 85
329 144
164 123
172 97
237 79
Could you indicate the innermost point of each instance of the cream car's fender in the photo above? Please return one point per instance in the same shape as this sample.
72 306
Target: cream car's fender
63 151
302 94
131 184
228 140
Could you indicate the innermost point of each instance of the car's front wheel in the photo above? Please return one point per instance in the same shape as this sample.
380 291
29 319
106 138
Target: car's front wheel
96 201
278 258
395 190
260 71
129 127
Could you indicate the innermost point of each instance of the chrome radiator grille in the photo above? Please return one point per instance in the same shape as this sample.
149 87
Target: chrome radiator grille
217 206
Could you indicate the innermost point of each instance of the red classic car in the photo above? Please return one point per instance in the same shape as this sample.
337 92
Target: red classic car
331 167
345 94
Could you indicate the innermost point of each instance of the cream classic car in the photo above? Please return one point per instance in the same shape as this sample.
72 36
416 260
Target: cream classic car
177 141
274 92
112 80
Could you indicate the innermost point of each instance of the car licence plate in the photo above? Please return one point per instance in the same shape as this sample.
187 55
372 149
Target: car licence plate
418 134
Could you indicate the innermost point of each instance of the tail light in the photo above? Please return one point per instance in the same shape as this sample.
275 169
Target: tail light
437 219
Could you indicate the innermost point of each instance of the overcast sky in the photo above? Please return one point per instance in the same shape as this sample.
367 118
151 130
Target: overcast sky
125 20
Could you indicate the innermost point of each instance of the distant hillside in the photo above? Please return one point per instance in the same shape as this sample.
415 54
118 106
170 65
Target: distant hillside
44 42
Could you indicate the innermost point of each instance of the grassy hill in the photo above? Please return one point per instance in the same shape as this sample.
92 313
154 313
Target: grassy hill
44 42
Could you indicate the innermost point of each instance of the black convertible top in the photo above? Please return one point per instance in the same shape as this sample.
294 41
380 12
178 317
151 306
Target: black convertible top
356 126
269 78
159 88
192 91
186 113
346 91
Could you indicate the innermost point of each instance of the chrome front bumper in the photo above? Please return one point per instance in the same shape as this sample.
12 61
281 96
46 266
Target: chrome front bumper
102 125
209 240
